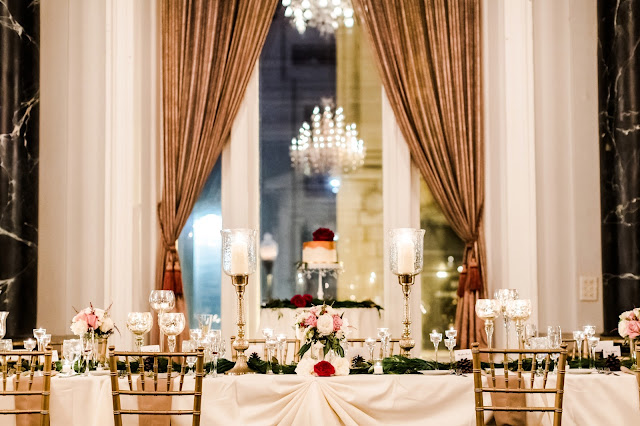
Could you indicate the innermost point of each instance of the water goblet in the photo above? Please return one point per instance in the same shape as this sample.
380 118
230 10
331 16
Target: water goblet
578 336
29 344
504 295
282 342
162 301
589 331
592 342
436 338
385 337
195 334
46 340
530 330
172 324
190 346
450 343
214 344
39 333
519 310
487 310
267 332
371 343
139 324
451 333
204 322
270 343
539 343
554 334
70 352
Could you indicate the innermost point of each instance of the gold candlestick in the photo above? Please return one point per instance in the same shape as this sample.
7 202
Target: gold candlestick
406 342
240 344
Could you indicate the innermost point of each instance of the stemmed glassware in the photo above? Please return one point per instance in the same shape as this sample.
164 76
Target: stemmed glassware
592 342
204 322
87 348
450 343
29 344
270 343
578 336
589 331
282 341
71 353
195 334
539 343
504 295
190 346
162 301
214 338
46 340
488 310
530 331
554 335
519 310
436 338
139 323
371 344
39 333
385 337
172 324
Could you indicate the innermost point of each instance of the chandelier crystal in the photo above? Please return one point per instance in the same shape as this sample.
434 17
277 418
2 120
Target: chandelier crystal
324 15
327 146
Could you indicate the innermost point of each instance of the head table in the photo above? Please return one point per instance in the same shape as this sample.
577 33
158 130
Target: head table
353 400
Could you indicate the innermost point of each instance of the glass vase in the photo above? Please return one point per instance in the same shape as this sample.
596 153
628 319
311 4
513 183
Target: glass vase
632 349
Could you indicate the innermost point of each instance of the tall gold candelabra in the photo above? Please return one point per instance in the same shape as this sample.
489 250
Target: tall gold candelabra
406 341
240 344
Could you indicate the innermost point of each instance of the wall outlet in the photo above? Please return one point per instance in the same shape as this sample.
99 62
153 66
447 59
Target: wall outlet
589 289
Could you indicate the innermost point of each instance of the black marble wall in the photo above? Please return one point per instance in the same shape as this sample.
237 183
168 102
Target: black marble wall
19 102
619 92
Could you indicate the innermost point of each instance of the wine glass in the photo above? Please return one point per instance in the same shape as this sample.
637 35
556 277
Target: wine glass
172 324
371 343
204 322
578 336
190 346
46 340
504 295
450 343
589 331
282 341
487 310
436 338
592 342
519 310
86 349
530 330
195 334
554 334
139 323
215 343
385 337
29 344
70 353
539 343
267 332
162 301
270 343
39 333
451 333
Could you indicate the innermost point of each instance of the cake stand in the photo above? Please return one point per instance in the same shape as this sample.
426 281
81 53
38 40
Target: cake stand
323 270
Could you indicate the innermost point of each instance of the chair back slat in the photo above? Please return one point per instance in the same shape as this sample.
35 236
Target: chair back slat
521 389
33 359
262 342
180 358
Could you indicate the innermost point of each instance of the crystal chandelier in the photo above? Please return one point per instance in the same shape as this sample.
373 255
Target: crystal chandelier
325 15
327 146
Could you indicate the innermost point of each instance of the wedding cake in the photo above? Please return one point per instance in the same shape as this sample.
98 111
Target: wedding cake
322 249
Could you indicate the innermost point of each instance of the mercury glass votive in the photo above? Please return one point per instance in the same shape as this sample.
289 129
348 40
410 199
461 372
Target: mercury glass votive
519 310
405 260
488 310
504 295
239 247
139 324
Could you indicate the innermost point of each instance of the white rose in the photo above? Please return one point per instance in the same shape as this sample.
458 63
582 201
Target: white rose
107 325
329 310
325 324
79 327
622 328
625 315
99 313
305 367
637 312
341 365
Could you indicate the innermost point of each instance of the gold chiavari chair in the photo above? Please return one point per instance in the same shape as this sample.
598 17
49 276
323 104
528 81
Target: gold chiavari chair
394 343
521 388
149 385
27 376
295 343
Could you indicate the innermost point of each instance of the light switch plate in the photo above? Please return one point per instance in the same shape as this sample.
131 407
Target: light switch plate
589 288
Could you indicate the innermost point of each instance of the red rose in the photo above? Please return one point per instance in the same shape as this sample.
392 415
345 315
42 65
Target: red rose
298 301
324 369
323 234
307 298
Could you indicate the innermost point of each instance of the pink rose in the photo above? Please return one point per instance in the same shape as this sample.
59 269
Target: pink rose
311 321
633 328
337 322
91 320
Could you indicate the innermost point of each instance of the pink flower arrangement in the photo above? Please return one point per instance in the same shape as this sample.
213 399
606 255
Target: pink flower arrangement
94 320
629 325
320 324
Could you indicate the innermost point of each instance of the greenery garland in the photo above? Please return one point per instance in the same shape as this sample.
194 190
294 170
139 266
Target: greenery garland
338 304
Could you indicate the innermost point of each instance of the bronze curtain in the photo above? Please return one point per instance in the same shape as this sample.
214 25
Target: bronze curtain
428 55
209 50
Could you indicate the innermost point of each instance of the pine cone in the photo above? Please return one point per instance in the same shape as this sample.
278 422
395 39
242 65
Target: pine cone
465 366
612 363
357 360
254 356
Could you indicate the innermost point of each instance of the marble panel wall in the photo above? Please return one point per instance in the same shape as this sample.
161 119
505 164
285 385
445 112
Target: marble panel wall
619 104
19 116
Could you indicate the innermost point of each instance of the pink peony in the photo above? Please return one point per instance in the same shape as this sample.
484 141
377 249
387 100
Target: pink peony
311 320
337 322
633 329
90 318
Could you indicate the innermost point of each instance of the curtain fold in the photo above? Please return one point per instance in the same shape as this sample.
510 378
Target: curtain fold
428 55
209 50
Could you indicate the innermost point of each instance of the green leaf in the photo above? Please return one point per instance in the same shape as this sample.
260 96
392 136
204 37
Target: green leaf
304 348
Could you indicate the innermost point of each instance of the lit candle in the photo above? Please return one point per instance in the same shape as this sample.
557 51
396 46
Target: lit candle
239 258
377 369
406 257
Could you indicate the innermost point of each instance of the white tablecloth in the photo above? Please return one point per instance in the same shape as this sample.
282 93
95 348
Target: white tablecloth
365 321
359 399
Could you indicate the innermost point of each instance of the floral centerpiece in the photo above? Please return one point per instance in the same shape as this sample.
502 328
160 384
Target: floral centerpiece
91 324
629 327
322 329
